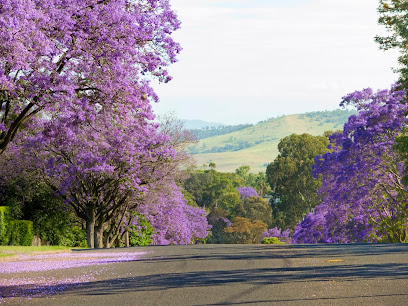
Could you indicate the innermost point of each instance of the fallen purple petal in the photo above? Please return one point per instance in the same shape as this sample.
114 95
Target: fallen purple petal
27 287
65 261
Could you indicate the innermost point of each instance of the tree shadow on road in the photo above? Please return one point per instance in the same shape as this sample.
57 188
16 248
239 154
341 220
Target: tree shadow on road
264 276
267 252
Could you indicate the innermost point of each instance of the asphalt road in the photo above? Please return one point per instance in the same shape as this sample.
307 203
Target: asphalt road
359 274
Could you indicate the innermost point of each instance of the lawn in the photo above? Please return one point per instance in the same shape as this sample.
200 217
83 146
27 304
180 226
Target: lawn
14 250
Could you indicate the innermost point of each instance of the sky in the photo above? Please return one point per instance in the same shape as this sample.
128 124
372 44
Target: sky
245 61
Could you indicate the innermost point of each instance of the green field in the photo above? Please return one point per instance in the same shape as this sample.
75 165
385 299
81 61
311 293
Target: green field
262 139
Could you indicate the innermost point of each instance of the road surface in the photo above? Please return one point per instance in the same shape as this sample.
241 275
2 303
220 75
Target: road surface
356 274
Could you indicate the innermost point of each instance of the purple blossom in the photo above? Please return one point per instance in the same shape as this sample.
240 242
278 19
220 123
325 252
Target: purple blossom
247 192
283 236
65 59
16 282
362 188
173 221
77 74
65 261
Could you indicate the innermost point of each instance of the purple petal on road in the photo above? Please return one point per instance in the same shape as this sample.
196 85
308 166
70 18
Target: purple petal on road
65 261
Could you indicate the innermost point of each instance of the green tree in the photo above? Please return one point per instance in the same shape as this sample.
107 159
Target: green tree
290 178
261 184
243 172
210 188
256 181
190 198
244 231
218 219
393 14
229 198
254 208
196 185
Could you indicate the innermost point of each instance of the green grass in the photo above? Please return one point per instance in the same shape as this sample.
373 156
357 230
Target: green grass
13 250
264 153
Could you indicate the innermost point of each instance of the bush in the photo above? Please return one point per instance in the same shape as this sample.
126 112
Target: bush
244 231
74 236
21 232
4 225
270 240
283 236
29 198
141 233
14 232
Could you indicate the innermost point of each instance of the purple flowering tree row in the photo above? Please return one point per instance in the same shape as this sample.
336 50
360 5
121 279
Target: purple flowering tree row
75 108
364 197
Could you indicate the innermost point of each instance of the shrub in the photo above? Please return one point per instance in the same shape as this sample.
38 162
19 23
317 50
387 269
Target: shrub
283 236
244 231
141 233
74 236
21 232
270 240
4 225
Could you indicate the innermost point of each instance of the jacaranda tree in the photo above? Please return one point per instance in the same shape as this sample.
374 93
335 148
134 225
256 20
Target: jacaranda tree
247 192
163 204
72 56
173 221
98 167
82 69
108 169
364 198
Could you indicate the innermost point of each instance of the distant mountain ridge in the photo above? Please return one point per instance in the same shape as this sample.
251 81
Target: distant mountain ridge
257 145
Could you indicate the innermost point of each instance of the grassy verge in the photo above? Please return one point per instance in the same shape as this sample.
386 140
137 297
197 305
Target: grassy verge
13 250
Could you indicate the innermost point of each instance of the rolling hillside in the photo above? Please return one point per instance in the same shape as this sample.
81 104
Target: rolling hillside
257 145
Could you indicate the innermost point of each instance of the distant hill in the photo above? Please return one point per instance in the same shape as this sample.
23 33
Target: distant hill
200 124
216 131
257 145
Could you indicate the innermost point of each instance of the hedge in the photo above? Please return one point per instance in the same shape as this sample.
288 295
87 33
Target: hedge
21 232
4 225
14 232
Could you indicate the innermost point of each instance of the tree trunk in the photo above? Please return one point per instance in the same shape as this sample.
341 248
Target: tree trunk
99 236
112 239
117 242
126 239
90 232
